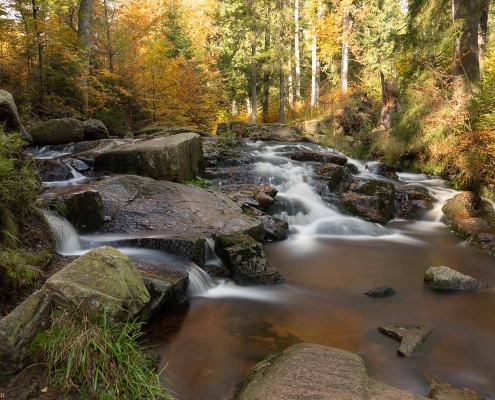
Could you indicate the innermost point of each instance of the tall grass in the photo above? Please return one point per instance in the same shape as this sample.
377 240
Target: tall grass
101 360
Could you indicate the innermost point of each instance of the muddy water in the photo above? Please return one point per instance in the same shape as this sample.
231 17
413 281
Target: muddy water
212 343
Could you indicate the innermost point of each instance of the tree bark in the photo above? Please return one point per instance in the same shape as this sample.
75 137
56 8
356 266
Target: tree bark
482 35
253 64
391 102
39 46
109 37
281 113
466 16
314 60
345 51
84 42
297 57
290 79
266 81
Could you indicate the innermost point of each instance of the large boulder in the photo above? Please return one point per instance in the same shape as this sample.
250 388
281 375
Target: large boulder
176 158
318 156
102 280
444 278
94 129
373 200
464 205
445 391
18 329
58 131
246 261
411 337
83 209
312 371
9 116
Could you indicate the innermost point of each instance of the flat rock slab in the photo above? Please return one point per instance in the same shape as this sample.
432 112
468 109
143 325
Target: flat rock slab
444 278
139 204
314 372
382 291
445 391
411 337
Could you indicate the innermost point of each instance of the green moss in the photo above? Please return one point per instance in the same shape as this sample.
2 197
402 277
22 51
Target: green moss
236 239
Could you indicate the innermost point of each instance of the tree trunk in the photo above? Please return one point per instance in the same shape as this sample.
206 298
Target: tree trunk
297 59
266 81
482 35
391 102
314 60
235 109
248 108
84 42
290 96
466 15
253 65
109 37
345 52
39 46
281 113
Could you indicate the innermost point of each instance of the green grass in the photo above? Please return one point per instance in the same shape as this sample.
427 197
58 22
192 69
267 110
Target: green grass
198 181
21 268
100 360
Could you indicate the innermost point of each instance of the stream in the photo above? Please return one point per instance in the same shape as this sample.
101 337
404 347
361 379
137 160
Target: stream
329 261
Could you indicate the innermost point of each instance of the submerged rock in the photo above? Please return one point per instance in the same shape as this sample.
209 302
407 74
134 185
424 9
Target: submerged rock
445 391
101 280
311 371
18 329
94 129
382 291
411 337
174 158
444 278
58 131
246 261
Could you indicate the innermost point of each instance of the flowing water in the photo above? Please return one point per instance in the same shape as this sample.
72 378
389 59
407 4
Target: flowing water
329 261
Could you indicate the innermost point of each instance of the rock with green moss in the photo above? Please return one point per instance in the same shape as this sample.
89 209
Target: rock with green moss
9 116
102 280
445 391
18 329
246 261
337 177
312 371
444 278
411 337
470 227
176 158
412 201
58 131
464 205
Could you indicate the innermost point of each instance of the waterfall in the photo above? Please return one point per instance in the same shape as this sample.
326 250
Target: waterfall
211 258
67 238
199 281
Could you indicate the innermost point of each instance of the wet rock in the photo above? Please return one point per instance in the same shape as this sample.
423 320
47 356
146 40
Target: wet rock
318 156
464 205
412 201
412 337
167 287
94 129
9 116
102 279
445 391
444 278
80 166
337 177
18 329
139 204
84 210
382 291
469 227
53 170
58 131
311 371
175 158
246 261
275 229
260 196
372 200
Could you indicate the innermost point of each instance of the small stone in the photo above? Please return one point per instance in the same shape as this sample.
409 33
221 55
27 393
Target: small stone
382 291
444 278
445 391
411 337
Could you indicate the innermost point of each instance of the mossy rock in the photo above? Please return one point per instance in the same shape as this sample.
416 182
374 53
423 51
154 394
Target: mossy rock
84 210
102 280
58 131
241 253
444 278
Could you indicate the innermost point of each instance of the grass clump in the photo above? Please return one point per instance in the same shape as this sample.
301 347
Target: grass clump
198 181
99 359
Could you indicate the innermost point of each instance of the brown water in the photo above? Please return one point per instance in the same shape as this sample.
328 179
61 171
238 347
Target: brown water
210 344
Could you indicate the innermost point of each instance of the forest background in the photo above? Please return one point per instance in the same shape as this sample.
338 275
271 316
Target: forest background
410 83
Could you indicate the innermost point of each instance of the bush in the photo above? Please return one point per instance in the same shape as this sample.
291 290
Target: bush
99 359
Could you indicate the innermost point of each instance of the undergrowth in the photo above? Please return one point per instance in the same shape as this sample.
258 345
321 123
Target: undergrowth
98 359
198 181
